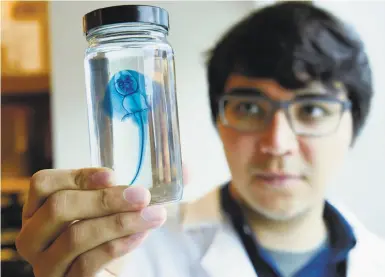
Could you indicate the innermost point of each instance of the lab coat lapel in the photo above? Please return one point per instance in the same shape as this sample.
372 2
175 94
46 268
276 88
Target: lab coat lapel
364 261
226 258
367 257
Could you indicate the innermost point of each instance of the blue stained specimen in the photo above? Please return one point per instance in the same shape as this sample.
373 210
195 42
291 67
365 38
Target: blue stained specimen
126 99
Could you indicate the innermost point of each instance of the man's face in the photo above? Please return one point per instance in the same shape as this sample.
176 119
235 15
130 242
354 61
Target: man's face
281 173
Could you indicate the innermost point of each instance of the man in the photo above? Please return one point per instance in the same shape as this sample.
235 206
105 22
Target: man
290 89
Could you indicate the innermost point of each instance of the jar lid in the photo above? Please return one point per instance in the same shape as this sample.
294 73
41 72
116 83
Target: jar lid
125 14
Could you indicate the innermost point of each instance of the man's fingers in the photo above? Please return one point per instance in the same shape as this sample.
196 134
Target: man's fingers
46 182
59 211
85 235
89 263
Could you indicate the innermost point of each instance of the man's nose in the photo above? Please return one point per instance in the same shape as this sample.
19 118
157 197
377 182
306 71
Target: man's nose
278 138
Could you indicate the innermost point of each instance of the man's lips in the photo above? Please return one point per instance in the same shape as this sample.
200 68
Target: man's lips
277 176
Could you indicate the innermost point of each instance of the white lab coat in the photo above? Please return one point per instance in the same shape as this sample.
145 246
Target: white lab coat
197 241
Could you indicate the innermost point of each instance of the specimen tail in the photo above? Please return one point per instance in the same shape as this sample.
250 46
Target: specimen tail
142 142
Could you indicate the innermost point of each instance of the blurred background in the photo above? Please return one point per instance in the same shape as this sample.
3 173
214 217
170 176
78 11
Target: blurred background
44 112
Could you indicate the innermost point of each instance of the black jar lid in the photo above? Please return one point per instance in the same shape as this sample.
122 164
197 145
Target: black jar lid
125 14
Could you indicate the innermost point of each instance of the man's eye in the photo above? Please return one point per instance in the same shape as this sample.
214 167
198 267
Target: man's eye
313 111
248 108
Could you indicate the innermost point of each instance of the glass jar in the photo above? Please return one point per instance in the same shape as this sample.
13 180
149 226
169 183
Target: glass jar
131 97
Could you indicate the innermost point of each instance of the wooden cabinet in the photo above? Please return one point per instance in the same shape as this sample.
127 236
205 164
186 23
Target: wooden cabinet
25 116
25 47
25 92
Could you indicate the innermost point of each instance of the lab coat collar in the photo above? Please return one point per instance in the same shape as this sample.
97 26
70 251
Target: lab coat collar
202 212
226 257
207 211
226 248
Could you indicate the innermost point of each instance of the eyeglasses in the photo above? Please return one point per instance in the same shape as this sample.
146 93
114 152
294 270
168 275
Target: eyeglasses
308 115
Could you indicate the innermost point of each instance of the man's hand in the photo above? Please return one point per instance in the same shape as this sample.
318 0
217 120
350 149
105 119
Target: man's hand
75 221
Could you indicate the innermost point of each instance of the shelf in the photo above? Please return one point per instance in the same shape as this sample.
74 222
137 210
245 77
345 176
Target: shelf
15 185
11 85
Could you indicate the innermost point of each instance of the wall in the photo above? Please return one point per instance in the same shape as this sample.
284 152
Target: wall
194 29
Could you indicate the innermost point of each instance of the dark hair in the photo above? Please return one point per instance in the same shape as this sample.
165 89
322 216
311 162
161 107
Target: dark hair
285 39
